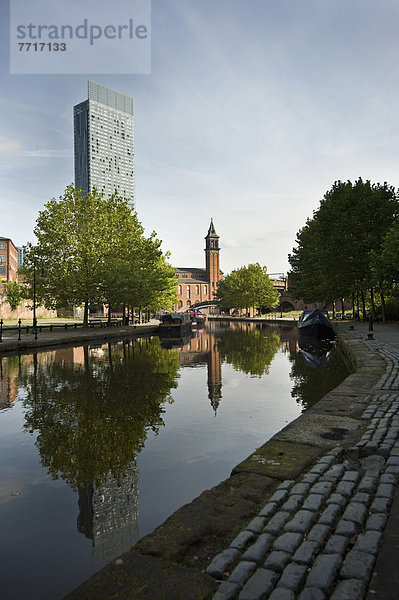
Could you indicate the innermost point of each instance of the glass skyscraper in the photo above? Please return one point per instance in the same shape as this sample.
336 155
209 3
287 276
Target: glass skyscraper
104 143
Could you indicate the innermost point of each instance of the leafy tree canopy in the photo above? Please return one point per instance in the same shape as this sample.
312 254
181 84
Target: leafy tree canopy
246 287
333 257
93 250
14 293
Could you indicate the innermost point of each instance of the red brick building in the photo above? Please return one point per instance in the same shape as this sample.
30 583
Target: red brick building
8 260
198 285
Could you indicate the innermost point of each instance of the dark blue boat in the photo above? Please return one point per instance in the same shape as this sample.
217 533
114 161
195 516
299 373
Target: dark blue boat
315 322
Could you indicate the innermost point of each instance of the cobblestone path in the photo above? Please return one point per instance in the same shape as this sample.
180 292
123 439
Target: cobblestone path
318 538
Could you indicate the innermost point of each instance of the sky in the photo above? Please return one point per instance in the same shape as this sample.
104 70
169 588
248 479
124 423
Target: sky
252 109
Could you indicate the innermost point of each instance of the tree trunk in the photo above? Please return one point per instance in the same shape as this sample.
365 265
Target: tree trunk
86 314
333 309
139 315
363 307
358 306
353 306
109 313
384 314
343 308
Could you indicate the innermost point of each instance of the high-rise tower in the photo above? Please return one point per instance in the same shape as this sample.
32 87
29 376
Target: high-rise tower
104 142
212 258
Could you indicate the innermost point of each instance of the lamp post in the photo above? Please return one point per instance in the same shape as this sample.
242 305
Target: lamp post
34 295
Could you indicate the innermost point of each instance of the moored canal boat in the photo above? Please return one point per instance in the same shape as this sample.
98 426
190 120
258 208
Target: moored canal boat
198 318
315 322
178 324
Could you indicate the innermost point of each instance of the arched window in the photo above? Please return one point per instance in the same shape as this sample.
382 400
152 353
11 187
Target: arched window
179 290
205 289
197 290
188 291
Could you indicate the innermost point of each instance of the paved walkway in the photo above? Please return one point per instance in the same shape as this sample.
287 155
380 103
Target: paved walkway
335 533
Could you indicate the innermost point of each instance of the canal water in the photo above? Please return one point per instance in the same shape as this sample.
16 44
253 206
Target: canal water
100 443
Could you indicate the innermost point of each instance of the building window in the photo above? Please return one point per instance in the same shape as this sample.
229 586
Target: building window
188 291
179 288
197 289
2 270
3 245
2 258
205 289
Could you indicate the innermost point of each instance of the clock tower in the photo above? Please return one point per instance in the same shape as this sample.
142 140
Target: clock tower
212 259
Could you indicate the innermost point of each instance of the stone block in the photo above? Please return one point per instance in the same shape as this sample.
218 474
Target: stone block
353 589
258 550
227 591
323 572
277 560
337 544
293 576
242 540
302 521
368 542
288 542
306 553
242 572
259 586
357 565
222 562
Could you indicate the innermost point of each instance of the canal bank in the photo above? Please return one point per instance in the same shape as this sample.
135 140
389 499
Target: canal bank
61 337
315 495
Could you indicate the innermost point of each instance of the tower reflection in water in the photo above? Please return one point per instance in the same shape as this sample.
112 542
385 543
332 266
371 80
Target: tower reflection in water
201 348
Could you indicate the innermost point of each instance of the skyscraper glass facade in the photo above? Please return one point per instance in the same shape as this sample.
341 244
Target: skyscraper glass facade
104 142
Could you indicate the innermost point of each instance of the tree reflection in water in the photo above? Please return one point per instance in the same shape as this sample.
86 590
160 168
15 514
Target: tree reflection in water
248 348
92 418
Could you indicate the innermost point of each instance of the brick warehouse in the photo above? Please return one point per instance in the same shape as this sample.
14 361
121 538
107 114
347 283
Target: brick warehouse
198 285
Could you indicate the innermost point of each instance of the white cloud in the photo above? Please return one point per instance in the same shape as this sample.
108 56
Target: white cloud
9 146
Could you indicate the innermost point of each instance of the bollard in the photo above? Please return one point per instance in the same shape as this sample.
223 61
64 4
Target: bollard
19 330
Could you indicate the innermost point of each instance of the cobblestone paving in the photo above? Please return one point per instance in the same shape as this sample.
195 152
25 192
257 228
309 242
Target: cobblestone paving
318 538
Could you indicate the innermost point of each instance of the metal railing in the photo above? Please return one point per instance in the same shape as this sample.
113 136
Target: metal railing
94 322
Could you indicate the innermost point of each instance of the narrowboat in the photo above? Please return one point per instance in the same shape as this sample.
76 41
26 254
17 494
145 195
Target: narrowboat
315 322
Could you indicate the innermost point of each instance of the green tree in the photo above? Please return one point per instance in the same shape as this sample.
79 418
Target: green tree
14 294
338 244
246 287
93 251
150 280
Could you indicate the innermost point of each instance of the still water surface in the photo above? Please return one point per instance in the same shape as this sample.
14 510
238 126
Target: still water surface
99 444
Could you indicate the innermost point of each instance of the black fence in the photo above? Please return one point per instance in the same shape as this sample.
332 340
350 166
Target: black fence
94 322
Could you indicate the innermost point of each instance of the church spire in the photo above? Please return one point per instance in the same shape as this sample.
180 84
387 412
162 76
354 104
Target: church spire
212 230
